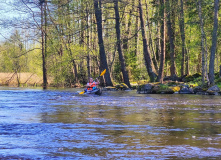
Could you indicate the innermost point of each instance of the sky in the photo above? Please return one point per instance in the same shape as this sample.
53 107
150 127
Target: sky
8 16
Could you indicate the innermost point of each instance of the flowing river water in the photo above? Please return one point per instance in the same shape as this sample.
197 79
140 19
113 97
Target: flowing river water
61 124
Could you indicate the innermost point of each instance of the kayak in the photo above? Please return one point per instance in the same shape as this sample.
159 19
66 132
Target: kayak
96 91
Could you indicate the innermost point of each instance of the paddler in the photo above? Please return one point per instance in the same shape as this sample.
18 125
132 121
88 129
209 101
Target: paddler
91 85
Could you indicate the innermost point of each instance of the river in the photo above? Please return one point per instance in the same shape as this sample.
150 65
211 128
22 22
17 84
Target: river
61 124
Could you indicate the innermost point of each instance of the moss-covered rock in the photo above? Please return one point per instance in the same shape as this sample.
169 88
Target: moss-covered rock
190 78
172 78
162 89
178 87
122 86
196 75
146 89
174 83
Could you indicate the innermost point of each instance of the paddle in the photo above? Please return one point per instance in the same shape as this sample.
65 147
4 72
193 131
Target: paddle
102 73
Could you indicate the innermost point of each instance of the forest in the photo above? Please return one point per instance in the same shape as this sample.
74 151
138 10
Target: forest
134 40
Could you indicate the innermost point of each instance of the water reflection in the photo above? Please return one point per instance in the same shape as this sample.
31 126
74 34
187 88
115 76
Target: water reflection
61 124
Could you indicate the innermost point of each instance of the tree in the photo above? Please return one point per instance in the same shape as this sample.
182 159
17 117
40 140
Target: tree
121 57
162 40
214 43
43 4
103 61
80 38
147 57
203 39
171 40
182 31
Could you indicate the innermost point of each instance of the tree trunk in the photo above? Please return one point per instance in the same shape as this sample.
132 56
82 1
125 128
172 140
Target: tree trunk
82 24
88 43
137 35
103 63
147 57
74 69
202 41
171 39
214 43
162 41
151 39
186 61
121 56
128 30
43 38
220 71
182 31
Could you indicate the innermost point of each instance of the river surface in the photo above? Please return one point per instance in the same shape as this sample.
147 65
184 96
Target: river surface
61 124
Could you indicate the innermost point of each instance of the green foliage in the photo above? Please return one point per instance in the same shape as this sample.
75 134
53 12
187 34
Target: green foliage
218 84
34 61
132 65
117 72
217 75
72 35
61 68
14 57
163 87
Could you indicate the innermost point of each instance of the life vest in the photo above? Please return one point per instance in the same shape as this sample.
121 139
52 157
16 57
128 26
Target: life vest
92 85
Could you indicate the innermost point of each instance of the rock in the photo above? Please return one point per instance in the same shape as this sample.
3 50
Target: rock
191 77
167 91
198 89
186 90
214 90
146 89
174 83
162 89
201 93
196 75
156 89
122 86
172 78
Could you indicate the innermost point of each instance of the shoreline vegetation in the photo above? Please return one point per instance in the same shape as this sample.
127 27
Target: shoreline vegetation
187 85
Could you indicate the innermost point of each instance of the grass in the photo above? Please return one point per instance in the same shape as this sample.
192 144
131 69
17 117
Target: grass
12 79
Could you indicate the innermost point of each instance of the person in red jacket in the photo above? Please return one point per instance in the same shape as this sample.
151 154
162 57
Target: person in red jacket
92 84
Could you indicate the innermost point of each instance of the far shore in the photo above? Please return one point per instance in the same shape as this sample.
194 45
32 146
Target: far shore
20 79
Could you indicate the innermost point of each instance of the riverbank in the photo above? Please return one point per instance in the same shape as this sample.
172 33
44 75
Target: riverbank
20 79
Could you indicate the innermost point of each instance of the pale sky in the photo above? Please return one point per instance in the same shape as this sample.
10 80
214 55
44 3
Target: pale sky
9 17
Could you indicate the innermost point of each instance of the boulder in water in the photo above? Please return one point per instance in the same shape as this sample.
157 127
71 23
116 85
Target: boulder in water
214 90
186 90
146 89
